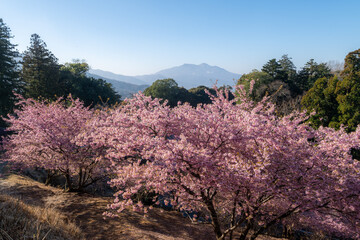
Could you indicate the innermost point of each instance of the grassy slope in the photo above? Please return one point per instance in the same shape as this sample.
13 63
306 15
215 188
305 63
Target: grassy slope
38 208
86 212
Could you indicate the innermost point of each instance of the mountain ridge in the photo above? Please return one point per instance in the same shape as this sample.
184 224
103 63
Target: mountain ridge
126 90
186 75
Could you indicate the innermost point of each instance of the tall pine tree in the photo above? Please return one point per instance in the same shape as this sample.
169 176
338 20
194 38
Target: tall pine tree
9 80
275 70
40 71
311 72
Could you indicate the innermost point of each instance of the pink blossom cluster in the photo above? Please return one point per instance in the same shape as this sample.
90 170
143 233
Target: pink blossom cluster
48 135
238 165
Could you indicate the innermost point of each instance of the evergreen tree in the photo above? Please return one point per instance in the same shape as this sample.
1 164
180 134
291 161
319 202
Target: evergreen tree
348 91
287 66
311 72
275 70
336 102
321 98
40 71
9 80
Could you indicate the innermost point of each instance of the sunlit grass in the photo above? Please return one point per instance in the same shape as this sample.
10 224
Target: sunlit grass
22 221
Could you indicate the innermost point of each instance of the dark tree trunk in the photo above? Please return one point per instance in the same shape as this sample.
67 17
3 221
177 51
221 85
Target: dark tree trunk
214 217
68 185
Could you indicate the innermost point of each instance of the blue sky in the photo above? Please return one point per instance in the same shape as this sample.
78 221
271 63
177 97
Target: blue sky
144 36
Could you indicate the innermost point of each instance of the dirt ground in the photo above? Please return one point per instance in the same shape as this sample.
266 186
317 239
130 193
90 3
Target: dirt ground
87 212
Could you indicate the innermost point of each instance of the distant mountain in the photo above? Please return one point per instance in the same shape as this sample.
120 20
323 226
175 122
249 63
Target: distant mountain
191 75
186 75
150 78
118 77
126 90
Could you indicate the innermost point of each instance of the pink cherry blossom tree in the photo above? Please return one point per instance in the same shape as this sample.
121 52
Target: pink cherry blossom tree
47 135
240 166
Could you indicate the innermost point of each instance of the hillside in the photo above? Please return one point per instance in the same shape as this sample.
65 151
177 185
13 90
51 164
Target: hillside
125 89
118 77
87 212
80 215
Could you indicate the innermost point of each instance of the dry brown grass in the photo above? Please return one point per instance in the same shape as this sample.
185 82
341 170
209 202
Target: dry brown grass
30 210
23 221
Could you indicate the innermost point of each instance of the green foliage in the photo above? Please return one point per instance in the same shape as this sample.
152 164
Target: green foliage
335 101
284 70
321 98
275 70
283 73
287 66
168 89
77 67
40 71
45 78
90 90
261 86
266 85
311 72
9 79
348 91
199 95
285 85
94 91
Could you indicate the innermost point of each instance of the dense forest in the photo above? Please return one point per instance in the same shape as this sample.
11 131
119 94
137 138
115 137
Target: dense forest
277 151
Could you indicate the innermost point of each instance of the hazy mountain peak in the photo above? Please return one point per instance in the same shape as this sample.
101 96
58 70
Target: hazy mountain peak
192 75
187 75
